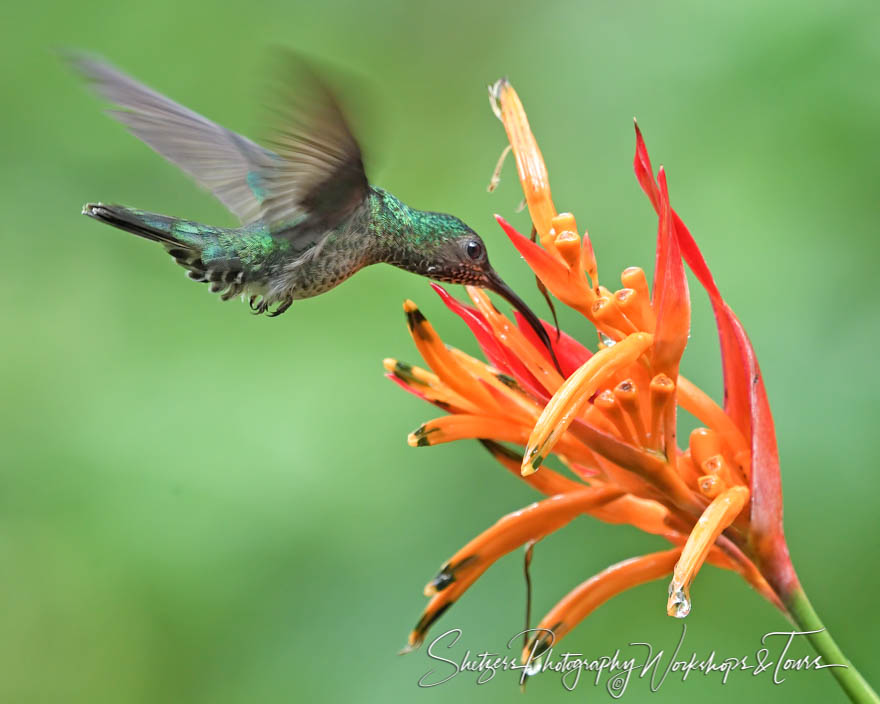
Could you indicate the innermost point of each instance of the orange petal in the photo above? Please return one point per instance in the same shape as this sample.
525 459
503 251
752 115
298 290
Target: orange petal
440 359
512 337
717 516
461 426
546 481
515 529
637 306
529 162
515 401
586 598
699 404
568 401
566 285
644 514
428 386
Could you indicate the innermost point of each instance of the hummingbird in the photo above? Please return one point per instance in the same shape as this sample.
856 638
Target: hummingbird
309 217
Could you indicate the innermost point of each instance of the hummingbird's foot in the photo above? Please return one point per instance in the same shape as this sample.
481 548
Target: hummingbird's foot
263 306
283 306
258 307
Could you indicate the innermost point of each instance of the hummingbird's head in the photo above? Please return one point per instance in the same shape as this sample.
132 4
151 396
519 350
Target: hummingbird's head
459 256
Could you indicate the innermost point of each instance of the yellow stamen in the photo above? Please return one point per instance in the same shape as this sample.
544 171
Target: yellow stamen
567 402
717 516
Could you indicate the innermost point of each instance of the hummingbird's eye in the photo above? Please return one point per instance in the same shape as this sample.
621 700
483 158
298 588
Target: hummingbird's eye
474 249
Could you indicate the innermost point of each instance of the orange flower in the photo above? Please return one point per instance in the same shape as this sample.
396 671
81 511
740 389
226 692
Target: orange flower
610 417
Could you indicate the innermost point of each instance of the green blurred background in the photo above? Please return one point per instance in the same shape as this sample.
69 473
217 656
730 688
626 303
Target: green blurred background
198 505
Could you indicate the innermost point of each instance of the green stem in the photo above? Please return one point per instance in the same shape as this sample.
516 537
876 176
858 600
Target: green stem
849 678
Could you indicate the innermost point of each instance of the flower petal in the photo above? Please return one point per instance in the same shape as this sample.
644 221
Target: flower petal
745 402
511 337
717 516
734 378
439 358
529 162
671 300
586 598
576 391
546 481
644 172
499 355
427 386
553 273
570 353
461 426
528 524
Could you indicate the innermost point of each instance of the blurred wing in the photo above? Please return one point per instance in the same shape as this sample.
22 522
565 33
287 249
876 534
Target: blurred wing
224 162
316 177
320 171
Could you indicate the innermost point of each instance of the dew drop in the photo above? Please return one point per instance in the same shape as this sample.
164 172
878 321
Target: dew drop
605 340
533 668
679 605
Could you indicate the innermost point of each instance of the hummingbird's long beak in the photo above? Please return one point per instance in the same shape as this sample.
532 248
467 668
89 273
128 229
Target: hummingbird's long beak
496 283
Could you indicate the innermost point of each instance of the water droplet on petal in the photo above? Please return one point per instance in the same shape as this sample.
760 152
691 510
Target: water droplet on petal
679 605
605 340
533 668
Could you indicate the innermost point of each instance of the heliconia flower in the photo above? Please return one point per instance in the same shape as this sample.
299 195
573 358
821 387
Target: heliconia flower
610 418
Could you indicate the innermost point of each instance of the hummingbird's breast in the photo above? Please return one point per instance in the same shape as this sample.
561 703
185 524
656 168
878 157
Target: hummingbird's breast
332 259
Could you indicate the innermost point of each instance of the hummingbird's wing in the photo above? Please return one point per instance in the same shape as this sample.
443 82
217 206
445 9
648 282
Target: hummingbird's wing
319 174
221 160
316 179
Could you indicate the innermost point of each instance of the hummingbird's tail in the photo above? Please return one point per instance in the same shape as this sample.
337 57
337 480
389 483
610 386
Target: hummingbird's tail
157 228
196 247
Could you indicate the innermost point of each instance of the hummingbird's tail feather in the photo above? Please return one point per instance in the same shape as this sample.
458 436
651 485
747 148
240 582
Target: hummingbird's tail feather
195 247
157 228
